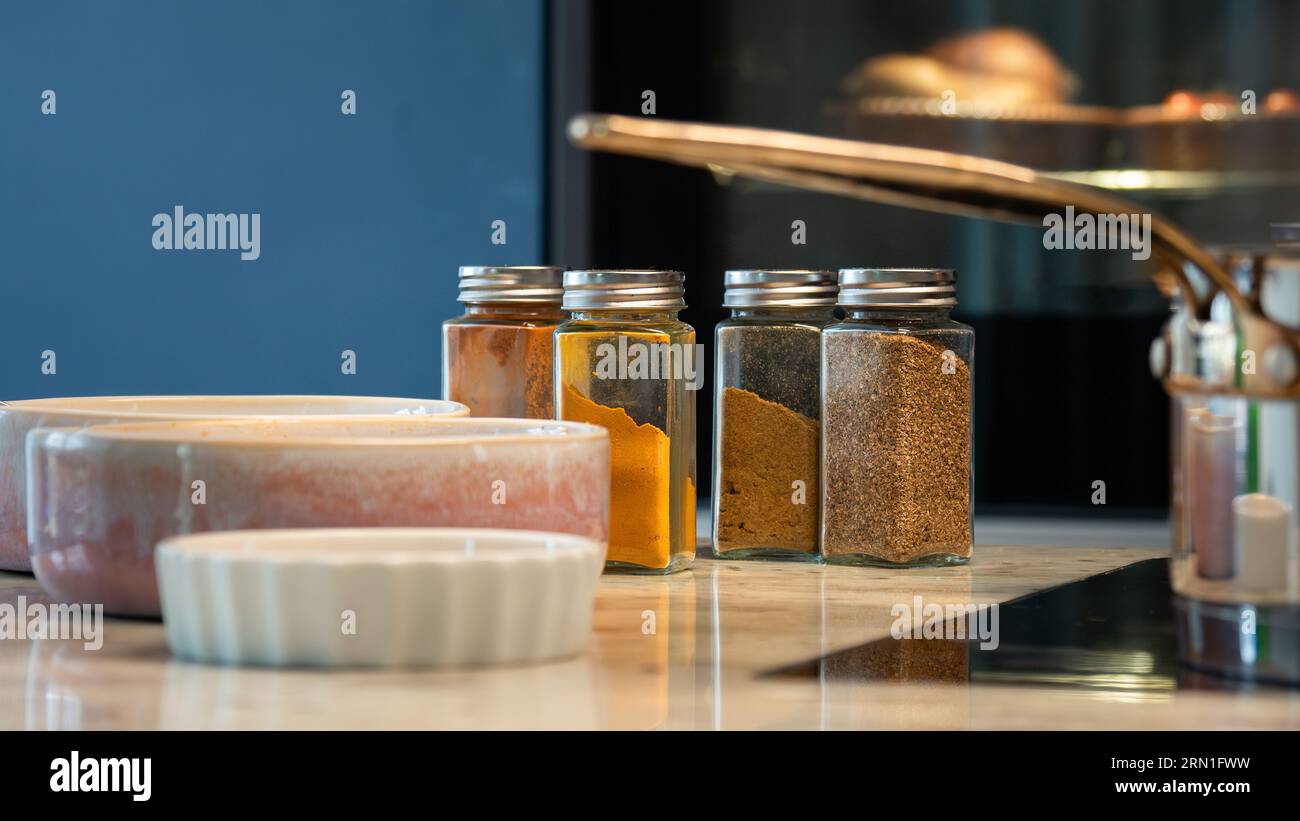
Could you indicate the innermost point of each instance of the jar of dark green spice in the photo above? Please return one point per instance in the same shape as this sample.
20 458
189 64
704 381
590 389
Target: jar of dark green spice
766 412
896 421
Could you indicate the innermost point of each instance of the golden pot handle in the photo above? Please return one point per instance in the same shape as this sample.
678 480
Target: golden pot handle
950 183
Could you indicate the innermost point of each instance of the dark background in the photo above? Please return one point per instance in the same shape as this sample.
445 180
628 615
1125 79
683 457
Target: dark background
1063 392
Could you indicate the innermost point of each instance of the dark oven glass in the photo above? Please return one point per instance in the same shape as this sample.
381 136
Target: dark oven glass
1149 99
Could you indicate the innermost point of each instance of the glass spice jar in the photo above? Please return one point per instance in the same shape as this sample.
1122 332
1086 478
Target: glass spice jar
625 361
767 412
896 407
498 358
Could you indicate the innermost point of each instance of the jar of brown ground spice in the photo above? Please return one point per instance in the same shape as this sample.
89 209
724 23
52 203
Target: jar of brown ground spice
499 357
766 413
896 422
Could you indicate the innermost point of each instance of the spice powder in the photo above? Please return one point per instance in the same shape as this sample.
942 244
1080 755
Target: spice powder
896 448
765 448
502 370
640 530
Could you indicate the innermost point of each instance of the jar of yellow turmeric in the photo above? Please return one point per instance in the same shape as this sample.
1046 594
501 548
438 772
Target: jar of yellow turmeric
625 361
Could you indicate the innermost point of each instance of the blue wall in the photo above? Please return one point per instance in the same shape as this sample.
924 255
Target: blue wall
234 106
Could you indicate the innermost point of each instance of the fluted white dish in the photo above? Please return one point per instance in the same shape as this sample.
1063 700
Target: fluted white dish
377 597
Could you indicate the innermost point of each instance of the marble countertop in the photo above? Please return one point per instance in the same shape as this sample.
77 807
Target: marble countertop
690 651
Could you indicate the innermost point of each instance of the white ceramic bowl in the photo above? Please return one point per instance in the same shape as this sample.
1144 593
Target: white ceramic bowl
101 498
377 597
19 417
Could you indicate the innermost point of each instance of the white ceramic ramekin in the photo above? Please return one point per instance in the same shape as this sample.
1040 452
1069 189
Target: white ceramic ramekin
19 417
377 597
100 498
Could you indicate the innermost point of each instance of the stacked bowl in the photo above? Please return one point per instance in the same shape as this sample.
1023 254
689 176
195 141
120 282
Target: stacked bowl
396 512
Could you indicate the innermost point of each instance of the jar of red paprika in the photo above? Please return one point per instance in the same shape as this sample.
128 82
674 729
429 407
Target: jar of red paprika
498 357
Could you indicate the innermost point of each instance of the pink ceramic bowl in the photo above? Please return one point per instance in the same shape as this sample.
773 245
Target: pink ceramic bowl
17 418
102 497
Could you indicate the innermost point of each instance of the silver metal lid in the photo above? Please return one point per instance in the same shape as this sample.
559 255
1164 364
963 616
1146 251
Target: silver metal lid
780 289
624 290
511 283
898 287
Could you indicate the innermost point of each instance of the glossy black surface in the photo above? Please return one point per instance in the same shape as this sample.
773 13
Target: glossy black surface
1113 632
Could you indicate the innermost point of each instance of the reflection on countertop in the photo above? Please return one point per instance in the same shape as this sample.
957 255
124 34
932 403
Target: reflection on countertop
695 650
